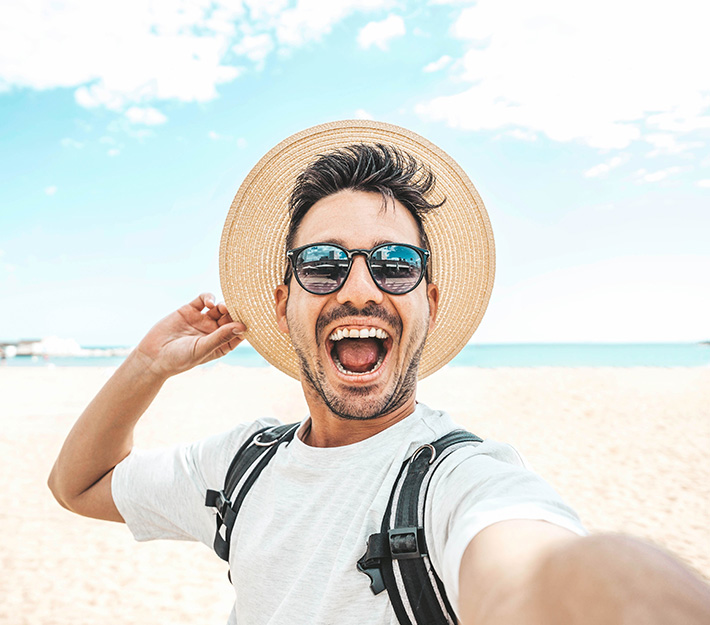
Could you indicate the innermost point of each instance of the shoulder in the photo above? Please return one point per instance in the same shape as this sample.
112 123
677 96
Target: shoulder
204 461
490 476
480 482
213 455
438 423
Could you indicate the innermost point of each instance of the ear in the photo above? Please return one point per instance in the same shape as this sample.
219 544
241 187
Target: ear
432 292
280 300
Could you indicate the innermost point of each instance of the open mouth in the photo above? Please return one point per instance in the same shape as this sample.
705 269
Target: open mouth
359 350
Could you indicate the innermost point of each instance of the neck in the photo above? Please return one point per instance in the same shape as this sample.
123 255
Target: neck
327 429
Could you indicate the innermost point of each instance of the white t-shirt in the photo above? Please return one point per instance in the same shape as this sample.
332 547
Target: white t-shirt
306 521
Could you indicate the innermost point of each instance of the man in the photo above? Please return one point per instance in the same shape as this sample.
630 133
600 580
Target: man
380 273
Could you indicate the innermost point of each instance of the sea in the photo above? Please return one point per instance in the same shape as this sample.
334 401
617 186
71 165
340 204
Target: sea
473 355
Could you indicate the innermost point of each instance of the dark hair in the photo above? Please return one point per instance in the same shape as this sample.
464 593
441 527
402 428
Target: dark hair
378 168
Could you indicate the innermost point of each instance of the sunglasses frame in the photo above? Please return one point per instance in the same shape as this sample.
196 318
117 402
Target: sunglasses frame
424 255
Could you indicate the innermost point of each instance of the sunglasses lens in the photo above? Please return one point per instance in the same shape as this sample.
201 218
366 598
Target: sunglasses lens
396 268
321 269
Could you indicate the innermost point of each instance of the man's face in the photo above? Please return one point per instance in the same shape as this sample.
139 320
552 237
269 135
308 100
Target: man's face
358 378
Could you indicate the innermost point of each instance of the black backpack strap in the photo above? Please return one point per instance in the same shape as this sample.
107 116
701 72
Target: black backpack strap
397 558
245 468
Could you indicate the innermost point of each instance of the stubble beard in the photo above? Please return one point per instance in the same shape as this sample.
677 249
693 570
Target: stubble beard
355 403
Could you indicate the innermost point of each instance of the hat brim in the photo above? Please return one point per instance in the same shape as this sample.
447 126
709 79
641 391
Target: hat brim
253 256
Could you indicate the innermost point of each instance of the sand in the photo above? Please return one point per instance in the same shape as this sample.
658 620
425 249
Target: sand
628 448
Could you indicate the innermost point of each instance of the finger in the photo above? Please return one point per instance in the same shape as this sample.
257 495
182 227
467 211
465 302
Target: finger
225 348
227 318
213 313
239 327
213 341
220 313
203 300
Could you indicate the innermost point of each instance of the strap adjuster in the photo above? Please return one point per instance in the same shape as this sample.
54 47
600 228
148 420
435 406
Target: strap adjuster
216 499
406 543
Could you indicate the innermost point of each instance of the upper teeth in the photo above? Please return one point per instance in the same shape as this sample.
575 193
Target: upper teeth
358 333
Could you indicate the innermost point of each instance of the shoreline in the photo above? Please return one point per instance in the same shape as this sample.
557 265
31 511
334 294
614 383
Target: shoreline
479 355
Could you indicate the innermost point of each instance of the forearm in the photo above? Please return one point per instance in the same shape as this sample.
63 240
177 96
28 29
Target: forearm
536 573
595 580
610 579
103 434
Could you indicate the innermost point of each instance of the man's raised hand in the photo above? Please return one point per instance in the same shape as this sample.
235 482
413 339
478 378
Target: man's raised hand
103 436
195 333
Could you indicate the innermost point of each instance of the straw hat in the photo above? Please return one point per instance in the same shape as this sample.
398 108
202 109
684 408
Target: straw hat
253 256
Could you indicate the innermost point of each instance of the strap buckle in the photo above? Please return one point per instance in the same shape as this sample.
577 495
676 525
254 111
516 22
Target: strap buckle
406 543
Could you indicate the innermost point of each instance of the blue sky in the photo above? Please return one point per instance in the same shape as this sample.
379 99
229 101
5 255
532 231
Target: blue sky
126 129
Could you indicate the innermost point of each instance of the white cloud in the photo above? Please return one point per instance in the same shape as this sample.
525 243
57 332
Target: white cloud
118 53
98 95
255 47
438 65
667 143
603 168
363 114
51 190
693 113
113 152
147 116
523 135
380 34
311 19
704 184
139 52
657 176
588 73
265 10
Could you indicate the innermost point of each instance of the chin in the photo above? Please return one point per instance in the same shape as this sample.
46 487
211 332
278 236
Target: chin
358 402
358 405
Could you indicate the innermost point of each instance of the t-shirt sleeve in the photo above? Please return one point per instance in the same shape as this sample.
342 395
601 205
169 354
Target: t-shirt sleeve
481 486
160 493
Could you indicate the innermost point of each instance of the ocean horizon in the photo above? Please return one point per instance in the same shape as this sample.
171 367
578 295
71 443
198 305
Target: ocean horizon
485 355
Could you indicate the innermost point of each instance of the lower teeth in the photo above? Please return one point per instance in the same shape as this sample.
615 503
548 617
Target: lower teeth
347 372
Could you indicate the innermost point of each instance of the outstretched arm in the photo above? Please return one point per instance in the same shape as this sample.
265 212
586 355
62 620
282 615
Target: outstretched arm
103 436
534 573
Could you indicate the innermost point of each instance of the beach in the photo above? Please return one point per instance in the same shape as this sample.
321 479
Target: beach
627 448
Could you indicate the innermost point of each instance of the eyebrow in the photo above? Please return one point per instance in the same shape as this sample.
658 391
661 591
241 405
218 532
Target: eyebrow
341 242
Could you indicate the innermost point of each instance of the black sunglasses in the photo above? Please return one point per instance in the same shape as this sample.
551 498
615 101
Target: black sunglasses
322 268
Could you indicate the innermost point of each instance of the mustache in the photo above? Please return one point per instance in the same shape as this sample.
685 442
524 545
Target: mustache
348 310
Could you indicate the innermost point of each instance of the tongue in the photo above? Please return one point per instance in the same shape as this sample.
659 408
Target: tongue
357 355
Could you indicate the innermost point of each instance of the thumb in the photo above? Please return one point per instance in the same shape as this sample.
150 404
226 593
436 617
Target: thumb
228 332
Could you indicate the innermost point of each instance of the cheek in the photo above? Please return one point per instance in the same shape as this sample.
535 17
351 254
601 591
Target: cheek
415 319
301 316
414 309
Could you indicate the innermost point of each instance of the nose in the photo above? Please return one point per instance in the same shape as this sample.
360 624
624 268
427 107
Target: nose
359 289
